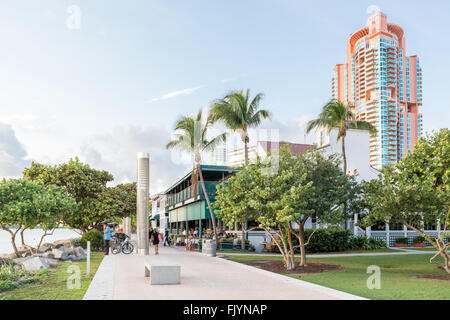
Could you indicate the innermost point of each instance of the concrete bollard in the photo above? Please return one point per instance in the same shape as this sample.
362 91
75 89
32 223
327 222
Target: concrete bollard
88 258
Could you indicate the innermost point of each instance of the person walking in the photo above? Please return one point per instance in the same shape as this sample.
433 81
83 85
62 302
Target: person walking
166 238
155 240
106 237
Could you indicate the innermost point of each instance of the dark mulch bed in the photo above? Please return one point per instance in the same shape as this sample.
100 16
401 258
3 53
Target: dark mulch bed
277 266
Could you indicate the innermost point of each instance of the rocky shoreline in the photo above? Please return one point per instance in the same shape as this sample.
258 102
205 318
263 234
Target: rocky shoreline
48 255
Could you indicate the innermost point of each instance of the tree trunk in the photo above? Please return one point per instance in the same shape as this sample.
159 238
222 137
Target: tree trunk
21 237
213 218
282 249
13 239
245 139
243 236
344 157
42 238
436 242
301 240
291 249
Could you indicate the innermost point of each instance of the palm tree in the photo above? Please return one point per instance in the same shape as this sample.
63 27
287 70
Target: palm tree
192 138
239 114
337 114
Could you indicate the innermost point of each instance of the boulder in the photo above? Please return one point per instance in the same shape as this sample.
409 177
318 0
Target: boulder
79 252
35 263
46 255
9 256
73 258
60 253
62 243
53 263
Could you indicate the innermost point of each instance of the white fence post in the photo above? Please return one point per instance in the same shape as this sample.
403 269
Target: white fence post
88 260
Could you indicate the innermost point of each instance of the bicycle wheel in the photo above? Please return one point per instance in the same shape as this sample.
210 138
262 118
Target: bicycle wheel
127 248
115 249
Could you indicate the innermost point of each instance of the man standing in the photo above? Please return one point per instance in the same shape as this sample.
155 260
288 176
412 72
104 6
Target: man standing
106 237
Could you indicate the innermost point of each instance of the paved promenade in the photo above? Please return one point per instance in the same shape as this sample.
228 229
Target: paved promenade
122 277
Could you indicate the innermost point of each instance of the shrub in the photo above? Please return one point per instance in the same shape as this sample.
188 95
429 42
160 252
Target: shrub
96 239
376 243
335 239
402 240
364 243
76 242
419 239
10 273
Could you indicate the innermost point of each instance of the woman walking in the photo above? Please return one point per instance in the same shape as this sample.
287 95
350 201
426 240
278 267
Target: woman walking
155 239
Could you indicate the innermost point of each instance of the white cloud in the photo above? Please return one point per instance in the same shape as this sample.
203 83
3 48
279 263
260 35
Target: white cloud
177 93
116 152
12 153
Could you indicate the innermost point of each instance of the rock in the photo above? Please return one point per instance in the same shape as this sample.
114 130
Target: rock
73 258
19 260
62 243
22 281
79 252
9 256
46 255
60 253
53 263
35 263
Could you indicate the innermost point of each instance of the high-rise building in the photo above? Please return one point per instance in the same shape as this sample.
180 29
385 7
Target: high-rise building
384 87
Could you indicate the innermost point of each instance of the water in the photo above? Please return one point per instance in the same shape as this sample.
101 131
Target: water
32 238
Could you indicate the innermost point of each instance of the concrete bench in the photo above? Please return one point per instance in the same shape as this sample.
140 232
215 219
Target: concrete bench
162 272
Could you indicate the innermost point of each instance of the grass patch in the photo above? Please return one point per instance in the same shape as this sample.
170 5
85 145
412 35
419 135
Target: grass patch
310 254
399 276
52 284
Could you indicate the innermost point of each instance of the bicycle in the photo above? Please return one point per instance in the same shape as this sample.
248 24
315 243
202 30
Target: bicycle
122 244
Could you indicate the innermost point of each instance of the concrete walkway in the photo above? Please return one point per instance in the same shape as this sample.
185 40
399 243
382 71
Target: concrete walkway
122 277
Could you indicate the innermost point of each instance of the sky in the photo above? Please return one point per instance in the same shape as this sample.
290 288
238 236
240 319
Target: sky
103 80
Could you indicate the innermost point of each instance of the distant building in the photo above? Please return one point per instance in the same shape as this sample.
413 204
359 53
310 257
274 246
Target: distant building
236 158
185 203
356 147
385 87
159 215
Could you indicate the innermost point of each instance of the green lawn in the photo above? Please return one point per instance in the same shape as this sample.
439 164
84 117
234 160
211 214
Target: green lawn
53 283
339 252
398 276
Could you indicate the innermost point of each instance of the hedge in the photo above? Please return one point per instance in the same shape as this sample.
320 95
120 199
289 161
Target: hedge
335 239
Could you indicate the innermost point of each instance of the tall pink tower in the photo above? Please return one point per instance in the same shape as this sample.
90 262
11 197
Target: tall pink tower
384 85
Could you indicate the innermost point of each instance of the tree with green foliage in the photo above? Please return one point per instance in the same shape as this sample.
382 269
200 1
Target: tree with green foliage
332 192
336 114
192 136
116 203
306 185
416 192
239 113
28 204
81 182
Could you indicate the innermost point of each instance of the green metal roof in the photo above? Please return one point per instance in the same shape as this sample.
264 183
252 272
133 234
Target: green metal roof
204 167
